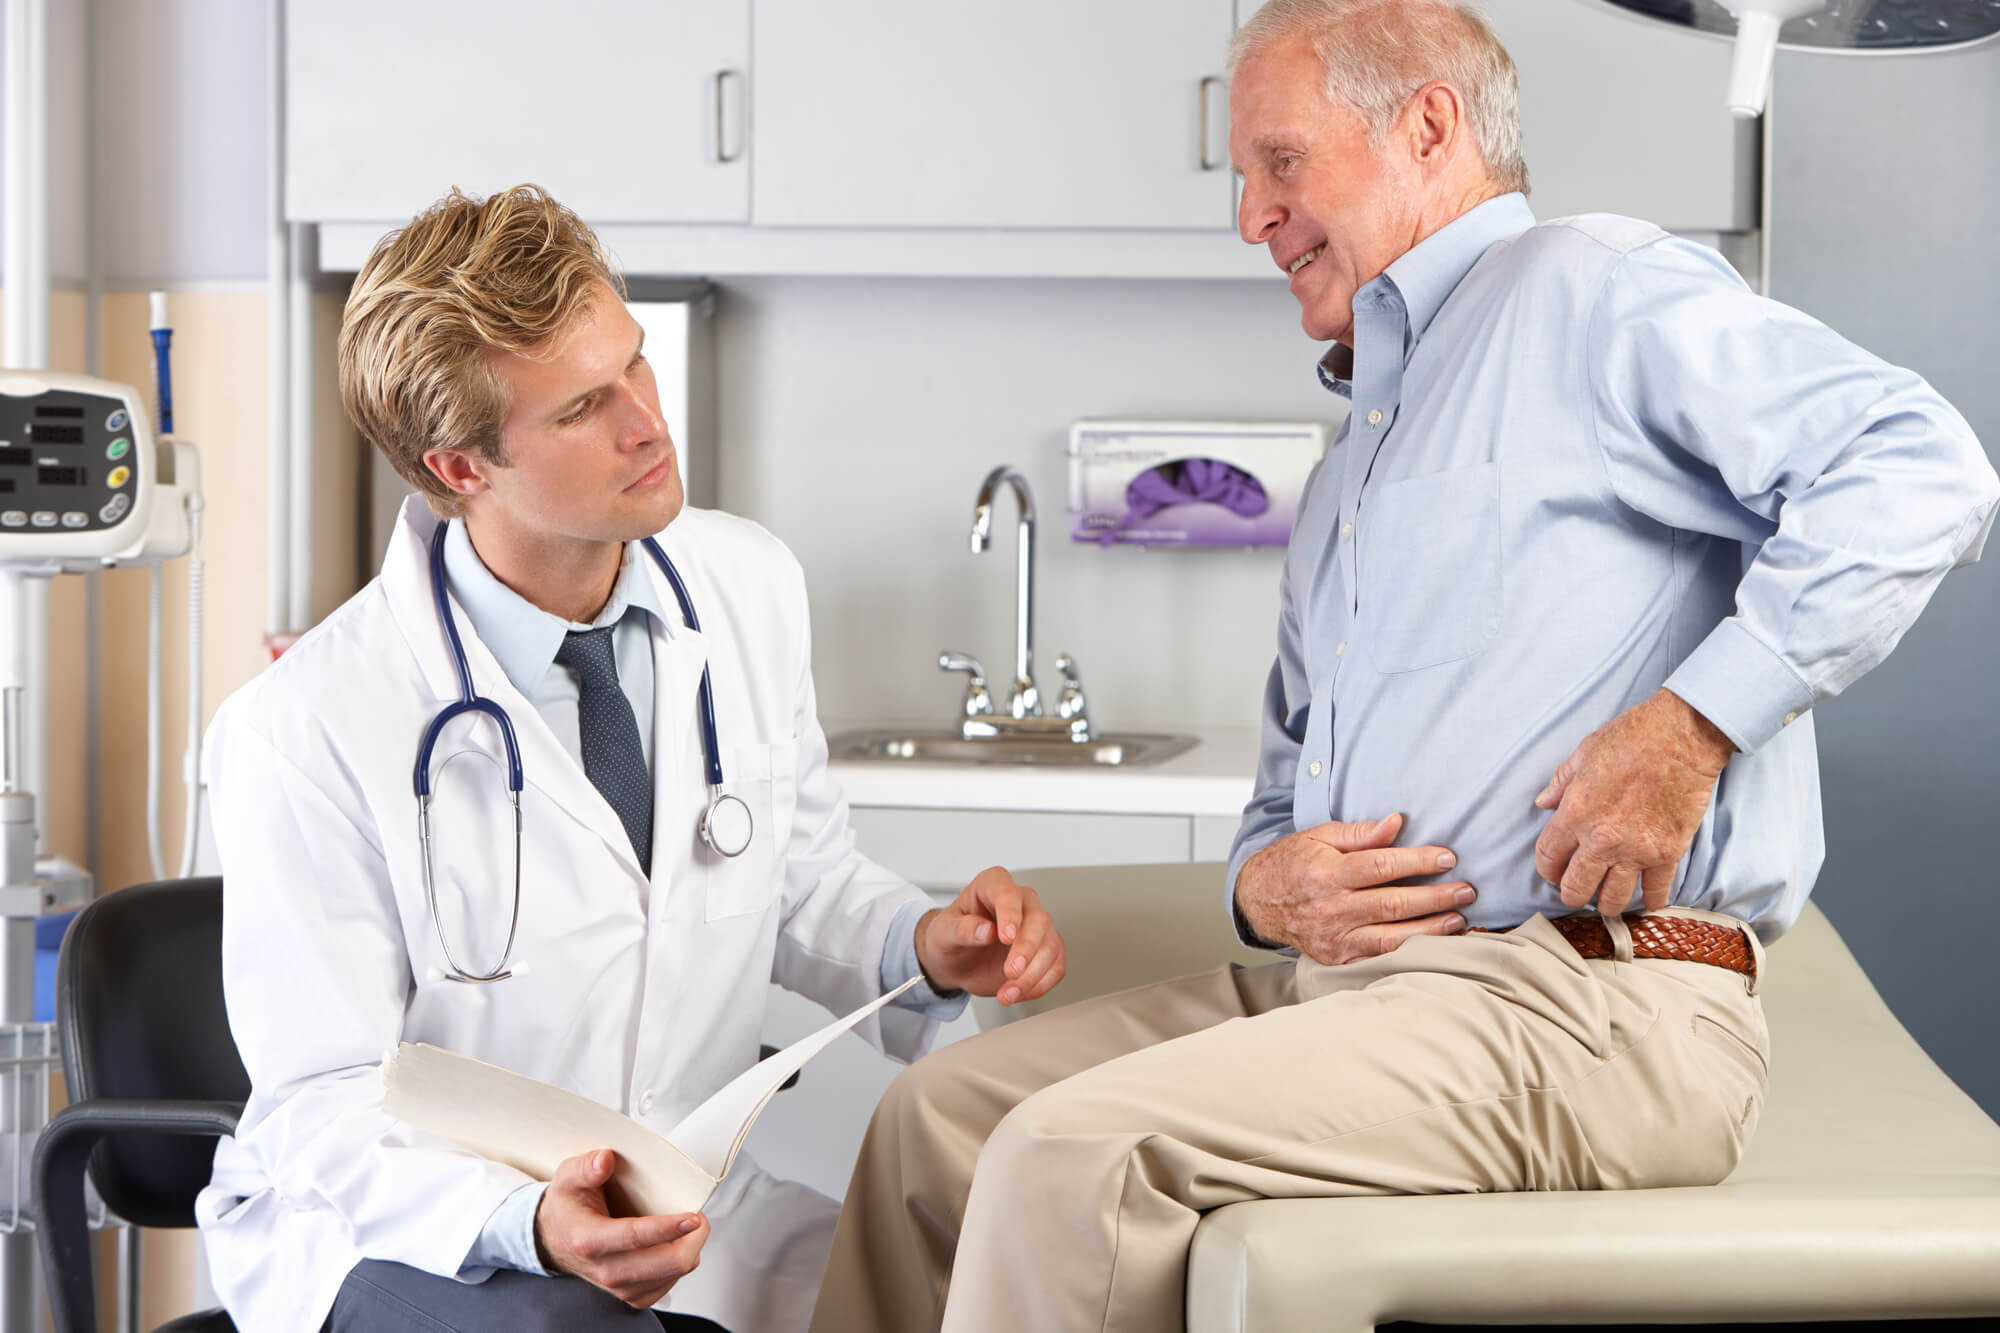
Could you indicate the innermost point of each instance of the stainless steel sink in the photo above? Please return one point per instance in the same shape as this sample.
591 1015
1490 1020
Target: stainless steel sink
917 746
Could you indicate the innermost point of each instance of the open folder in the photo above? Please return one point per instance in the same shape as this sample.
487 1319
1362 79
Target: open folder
532 1126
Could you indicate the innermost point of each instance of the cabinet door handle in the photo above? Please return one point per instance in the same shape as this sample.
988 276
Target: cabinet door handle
1201 99
722 153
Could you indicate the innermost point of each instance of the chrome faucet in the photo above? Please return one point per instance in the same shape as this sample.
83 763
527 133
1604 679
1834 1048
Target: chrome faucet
1024 700
1025 719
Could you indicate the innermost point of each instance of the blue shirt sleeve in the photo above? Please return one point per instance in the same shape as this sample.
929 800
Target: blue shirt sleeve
1854 484
1268 816
508 1238
899 964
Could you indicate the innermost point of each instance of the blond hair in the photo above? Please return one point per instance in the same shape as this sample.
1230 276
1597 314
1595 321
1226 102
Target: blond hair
1377 53
465 279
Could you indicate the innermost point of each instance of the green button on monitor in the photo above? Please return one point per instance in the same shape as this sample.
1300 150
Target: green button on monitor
119 448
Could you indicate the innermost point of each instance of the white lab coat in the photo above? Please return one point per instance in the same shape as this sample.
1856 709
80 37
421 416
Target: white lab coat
644 996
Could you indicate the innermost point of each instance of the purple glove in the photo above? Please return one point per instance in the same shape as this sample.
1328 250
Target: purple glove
1189 479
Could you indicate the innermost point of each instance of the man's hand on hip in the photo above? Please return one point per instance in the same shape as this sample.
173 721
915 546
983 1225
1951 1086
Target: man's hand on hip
636 1259
995 939
1331 892
1627 804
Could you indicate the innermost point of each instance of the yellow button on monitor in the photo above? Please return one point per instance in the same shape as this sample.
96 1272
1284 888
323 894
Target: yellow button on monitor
119 476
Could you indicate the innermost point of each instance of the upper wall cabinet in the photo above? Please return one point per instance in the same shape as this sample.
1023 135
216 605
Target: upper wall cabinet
1044 138
625 112
1030 113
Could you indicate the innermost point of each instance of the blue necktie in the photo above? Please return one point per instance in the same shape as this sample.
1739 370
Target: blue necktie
613 759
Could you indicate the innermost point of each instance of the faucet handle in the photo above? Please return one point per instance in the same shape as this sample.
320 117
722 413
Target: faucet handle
978 702
1070 704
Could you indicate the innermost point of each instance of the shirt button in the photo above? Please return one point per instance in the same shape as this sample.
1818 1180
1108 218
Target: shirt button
1313 768
1347 530
1375 417
1341 650
645 1103
1791 718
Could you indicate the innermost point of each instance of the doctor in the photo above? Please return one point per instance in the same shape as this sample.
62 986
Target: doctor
486 351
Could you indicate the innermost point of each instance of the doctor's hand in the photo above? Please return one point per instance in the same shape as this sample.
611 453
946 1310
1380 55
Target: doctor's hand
636 1259
1331 892
995 939
1627 804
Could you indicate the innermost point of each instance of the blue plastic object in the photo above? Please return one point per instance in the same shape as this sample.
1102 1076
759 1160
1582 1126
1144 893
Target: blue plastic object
49 931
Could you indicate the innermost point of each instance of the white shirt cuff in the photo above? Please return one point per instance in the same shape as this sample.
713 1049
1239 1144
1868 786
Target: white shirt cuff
508 1238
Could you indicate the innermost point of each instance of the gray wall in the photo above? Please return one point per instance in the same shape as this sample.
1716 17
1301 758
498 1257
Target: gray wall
1884 201
858 416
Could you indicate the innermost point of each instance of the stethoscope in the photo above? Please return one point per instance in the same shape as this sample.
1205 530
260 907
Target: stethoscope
725 825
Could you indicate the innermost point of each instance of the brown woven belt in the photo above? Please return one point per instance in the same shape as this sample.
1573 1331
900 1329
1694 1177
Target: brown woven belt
1678 938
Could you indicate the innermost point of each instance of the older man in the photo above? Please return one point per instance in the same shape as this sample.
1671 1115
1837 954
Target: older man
1602 527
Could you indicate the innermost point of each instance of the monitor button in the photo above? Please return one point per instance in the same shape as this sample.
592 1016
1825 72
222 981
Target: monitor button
118 420
76 518
119 476
44 518
119 448
14 518
115 510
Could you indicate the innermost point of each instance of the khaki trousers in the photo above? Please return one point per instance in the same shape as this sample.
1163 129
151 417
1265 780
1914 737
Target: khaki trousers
1049 1175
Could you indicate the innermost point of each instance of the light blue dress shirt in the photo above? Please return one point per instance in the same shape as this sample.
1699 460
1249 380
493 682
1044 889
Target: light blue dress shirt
1584 461
524 640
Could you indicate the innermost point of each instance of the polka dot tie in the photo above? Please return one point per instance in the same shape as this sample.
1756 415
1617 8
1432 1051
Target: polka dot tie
613 759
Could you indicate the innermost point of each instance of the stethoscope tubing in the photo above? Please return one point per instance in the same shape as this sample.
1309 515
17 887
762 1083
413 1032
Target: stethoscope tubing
471 701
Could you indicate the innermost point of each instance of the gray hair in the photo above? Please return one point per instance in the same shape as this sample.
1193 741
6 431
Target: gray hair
1378 53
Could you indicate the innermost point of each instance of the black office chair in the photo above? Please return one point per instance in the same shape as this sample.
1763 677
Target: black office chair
153 1079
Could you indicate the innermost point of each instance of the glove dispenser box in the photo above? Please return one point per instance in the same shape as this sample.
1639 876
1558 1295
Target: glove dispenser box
1189 483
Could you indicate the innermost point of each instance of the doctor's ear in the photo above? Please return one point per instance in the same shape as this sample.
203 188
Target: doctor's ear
461 472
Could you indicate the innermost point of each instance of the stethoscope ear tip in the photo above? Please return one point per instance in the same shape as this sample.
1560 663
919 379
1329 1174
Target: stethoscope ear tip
435 973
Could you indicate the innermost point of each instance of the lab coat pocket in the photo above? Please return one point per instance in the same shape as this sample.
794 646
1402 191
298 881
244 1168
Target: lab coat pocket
1430 590
762 776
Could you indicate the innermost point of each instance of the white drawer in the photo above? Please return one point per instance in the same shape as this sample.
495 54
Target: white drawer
945 848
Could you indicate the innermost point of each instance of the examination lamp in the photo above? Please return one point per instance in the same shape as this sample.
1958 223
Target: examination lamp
1846 27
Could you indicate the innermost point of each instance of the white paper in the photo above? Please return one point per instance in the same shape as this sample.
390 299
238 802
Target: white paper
713 1131
533 1126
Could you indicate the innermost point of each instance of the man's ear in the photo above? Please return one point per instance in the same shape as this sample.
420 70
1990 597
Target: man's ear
461 473
1436 120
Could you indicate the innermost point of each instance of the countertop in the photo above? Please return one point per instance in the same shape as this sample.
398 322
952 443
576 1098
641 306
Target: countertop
1213 778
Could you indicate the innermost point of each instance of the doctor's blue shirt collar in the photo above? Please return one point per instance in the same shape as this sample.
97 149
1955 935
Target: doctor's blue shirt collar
1423 278
522 637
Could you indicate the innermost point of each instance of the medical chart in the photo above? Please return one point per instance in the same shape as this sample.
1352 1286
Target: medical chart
532 1126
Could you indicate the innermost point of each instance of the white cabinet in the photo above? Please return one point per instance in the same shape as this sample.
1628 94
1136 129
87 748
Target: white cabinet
944 849
627 113
813 1132
950 113
1041 138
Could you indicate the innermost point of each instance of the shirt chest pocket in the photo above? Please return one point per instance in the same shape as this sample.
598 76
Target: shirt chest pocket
764 777
1430 587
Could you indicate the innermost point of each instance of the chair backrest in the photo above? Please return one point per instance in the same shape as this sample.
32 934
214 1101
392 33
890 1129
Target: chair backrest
139 998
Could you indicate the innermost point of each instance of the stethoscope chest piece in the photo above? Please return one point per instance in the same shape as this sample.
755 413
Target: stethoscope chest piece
726 825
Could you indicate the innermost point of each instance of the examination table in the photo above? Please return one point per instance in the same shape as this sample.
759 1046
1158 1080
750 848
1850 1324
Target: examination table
1870 1191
